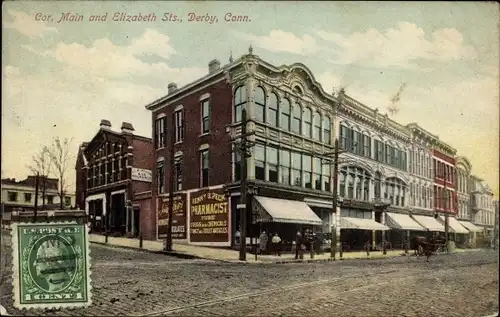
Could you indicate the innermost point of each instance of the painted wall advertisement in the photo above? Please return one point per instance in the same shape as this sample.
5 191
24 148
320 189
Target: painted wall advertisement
179 220
209 217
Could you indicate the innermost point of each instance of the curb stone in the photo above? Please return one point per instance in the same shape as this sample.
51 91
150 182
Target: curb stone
169 253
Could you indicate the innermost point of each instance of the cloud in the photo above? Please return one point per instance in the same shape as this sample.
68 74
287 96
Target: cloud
281 41
99 81
105 59
27 25
398 47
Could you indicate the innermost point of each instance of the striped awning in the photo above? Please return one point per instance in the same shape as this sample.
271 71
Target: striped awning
430 223
361 224
454 225
402 222
470 226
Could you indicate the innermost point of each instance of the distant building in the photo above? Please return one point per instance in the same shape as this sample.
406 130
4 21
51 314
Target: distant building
482 207
113 181
20 195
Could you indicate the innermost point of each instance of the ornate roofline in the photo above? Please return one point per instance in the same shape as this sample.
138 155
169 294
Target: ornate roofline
463 160
284 69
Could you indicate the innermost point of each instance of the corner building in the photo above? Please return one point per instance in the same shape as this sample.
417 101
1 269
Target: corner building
292 126
113 181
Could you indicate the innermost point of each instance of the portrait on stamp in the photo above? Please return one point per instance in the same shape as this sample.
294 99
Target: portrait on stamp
51 265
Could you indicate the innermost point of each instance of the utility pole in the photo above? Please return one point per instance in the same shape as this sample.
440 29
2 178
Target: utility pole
35 210
243 149
168 244
333 246
446 215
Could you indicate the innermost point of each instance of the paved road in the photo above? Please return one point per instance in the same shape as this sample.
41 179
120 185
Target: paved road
130 282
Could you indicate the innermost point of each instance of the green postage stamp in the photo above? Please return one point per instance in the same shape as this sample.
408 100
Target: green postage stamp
51 265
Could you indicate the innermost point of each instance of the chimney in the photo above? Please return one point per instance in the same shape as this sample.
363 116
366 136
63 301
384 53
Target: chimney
105 124
213 66
127 128
172 87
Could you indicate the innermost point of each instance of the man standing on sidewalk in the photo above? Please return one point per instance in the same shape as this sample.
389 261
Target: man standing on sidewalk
298 244
276 243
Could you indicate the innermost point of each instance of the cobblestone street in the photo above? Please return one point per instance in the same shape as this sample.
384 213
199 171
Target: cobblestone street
128 282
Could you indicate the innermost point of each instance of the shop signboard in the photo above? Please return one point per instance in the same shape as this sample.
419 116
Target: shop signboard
209 217
178 217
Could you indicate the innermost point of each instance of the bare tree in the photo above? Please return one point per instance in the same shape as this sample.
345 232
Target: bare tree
41 164
60 156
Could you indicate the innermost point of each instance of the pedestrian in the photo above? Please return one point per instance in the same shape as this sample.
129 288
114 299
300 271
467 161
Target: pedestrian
263 242
298 244
276 243
237 237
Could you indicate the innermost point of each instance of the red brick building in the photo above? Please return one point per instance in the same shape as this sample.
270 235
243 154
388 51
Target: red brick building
193 128
445 180
113 181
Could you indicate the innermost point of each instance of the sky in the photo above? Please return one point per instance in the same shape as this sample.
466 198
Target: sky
60 78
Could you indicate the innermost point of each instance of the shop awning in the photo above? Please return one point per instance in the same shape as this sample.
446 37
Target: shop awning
470 226
402 221
286 211
454 225
429 223
361 224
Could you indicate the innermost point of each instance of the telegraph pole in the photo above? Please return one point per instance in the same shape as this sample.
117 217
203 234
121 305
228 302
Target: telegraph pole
244 146
333 240
446 215
168 244
35 210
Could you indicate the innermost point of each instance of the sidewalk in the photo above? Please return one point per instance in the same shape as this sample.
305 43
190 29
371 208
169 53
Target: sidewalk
225 255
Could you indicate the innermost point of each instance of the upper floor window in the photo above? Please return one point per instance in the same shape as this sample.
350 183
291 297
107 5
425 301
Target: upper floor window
260 159
285 115
178 174
160 130
367 143
179 125
12 196
160 176
317 127
27 197
240 99
307 170
50 199
272 110
205 116
297 119
284 161
260 104
327 130
272 163
308 123
67 201
205 168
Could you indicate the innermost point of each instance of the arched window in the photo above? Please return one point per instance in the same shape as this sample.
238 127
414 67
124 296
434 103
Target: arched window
297 119
285 115
327 130
308 123
260 104
272 110
317 127
395 191
358 182
240 99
